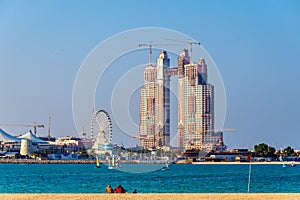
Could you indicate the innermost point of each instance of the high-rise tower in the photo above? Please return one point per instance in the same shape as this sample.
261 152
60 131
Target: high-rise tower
196 105
163 98
155 104
148 106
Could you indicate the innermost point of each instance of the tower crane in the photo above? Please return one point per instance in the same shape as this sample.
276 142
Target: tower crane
190 42
34 125
150 45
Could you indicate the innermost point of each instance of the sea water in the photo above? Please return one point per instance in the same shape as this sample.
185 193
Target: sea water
207 178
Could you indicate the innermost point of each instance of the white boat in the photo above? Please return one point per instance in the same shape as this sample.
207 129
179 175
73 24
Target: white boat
114 165
290 164
166 167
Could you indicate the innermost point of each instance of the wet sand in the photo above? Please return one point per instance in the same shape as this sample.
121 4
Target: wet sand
239 196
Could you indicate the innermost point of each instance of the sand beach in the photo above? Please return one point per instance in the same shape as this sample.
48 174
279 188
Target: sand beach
223 196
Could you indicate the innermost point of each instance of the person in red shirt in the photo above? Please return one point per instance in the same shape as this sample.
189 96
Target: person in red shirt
118 189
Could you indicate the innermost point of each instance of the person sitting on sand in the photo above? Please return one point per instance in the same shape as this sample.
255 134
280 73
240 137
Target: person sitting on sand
118 189
109 189
134 191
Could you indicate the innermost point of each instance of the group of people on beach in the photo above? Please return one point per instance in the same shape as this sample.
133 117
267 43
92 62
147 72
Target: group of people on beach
118 189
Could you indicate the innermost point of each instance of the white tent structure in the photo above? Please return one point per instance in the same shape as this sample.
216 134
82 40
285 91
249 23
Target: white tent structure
5 137
30 136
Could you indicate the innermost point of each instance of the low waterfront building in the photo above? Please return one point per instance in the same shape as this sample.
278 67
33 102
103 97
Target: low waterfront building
239 155
70 144
11 155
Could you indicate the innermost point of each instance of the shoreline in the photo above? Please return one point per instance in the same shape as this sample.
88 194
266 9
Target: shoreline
32 161
150 196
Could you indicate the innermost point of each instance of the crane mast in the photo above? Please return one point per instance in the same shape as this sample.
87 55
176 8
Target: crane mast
150 45
49 122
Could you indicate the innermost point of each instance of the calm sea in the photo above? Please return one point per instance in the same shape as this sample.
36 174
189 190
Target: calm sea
76 178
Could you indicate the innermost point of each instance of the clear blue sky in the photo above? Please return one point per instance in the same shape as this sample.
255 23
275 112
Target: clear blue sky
255 44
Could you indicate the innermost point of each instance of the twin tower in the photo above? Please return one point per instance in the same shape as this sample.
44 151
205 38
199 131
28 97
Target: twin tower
195 105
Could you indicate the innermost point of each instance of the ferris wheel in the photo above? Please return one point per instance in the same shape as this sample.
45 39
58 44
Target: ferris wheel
101 126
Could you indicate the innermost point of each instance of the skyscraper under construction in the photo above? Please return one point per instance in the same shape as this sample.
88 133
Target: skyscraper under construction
195 105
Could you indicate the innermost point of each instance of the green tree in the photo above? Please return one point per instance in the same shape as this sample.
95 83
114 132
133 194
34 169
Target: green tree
263 150
289 151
